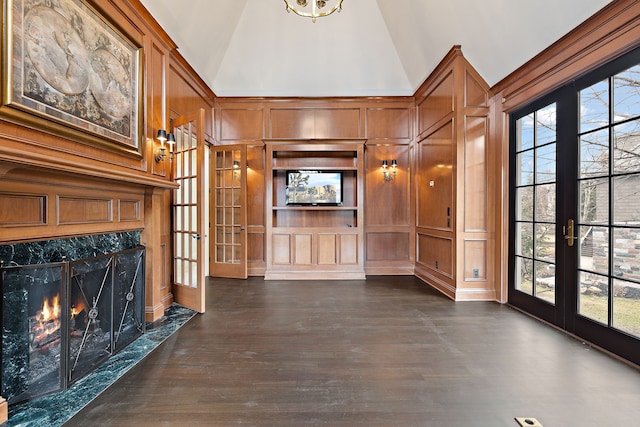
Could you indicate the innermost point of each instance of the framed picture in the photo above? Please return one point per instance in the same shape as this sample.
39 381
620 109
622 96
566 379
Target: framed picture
67 70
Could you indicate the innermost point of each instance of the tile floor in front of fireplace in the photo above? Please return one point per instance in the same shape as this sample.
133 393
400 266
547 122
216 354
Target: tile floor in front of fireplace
55 409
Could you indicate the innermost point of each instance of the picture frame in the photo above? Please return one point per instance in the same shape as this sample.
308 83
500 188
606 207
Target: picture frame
68 71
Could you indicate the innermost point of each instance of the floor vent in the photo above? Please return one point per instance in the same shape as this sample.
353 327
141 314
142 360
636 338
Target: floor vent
528 422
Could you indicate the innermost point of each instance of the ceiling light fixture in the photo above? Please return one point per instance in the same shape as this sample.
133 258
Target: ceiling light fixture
314 11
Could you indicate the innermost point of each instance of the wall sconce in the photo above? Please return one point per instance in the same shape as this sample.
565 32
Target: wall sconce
171 140
389 172
163 137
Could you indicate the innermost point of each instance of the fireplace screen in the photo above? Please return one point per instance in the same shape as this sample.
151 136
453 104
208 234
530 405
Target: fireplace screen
32 339
61 321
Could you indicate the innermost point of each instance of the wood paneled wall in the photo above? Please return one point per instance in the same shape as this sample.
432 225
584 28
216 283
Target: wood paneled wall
55 184
455 238
386 124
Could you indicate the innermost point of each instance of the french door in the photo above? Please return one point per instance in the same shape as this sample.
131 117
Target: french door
189 204
229 245
575 192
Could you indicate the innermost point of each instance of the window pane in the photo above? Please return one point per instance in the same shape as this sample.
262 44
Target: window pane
524 165
546 125
546 203
194 274
593 300
594 106
594 249
626 307
626 94
626 251
546 281
546 164
626 200
524 133
219 235
178 219
194 190
594 201
524 275
545 243
524 239
524 204
626 147
178 273
594 154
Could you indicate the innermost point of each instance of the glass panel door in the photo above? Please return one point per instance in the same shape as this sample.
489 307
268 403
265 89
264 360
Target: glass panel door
536 204
536 210
575 191
229 217
188 207
609 215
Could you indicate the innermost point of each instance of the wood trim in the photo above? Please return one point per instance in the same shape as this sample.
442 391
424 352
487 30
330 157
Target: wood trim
71 166
150 22
444 67
609 33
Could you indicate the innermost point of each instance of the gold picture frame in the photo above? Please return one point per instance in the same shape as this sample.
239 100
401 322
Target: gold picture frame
68 71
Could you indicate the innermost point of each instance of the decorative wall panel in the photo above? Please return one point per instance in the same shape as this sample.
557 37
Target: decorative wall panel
436 181
475 259
436 105
327 249
475 174
303 249
348 249
129 210
22 210
390 246
475 95
241 124
282 249
73 210
436 253
388 123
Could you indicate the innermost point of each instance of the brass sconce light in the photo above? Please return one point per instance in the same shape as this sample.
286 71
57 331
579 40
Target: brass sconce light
164 137
171 140
389 172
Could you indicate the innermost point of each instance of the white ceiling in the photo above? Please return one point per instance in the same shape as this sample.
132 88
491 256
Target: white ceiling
370 48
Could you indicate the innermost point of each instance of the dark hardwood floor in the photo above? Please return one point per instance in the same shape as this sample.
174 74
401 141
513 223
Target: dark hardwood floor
388 351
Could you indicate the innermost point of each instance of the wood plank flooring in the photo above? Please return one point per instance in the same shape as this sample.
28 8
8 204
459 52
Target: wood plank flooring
388 351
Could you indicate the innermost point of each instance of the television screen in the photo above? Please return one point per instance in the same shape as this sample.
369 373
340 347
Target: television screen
306 187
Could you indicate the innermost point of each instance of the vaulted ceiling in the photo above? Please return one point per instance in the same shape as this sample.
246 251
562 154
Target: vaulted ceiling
370 48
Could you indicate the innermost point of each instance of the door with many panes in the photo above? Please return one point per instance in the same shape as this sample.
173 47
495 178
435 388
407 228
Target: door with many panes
575 207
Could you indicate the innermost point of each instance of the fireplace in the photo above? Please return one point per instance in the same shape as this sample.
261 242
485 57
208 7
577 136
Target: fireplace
62 320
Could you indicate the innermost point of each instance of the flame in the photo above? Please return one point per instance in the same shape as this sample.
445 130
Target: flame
77 308
50 310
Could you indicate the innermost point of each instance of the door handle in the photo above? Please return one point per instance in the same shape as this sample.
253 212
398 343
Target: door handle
569 233
242 228
196 236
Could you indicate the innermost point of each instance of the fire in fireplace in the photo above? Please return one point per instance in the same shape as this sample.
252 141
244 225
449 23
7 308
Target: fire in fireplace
60 321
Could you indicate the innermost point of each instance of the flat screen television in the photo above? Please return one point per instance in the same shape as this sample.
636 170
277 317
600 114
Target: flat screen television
313 188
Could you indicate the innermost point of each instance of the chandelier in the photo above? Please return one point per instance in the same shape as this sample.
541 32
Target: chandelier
316 8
